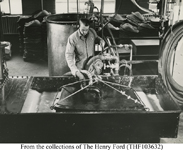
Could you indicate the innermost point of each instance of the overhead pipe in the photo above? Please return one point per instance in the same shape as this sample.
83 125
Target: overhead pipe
141 8
41 4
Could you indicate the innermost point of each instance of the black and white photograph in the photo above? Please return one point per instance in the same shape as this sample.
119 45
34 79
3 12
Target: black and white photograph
91 71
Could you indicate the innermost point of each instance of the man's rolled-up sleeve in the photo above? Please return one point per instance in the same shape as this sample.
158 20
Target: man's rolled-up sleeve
70 56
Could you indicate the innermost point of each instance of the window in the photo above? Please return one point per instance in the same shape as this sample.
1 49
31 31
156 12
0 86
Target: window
61 6
109 6
73 6
11 6
5 6
70 6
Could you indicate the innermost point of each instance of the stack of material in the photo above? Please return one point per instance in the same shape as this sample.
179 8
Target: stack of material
32 37
32 40
21 22
41 16
134 24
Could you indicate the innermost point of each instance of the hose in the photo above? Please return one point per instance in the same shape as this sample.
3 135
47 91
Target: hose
114 42
125 64
168 46
141 8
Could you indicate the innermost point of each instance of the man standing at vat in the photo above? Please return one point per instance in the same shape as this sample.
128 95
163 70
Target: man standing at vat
80 47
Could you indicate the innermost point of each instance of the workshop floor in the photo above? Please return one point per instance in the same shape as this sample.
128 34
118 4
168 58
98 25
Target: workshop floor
17 67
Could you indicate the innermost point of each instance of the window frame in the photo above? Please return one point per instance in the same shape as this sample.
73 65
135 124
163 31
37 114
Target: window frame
80 11
10 8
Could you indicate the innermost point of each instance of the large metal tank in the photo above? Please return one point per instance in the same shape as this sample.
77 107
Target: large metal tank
59 28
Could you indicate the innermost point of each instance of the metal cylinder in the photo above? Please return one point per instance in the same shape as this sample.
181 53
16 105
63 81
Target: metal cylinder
59 28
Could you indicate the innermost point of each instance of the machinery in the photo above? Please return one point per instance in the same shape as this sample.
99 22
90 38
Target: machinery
111 105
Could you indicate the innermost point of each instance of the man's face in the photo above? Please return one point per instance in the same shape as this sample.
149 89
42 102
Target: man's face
83 29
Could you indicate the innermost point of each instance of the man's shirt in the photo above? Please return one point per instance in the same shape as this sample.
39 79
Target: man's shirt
79 49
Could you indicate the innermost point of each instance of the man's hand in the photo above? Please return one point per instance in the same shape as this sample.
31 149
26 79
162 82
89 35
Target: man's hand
80 75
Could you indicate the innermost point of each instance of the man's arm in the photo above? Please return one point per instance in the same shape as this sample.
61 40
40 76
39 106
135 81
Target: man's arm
70 56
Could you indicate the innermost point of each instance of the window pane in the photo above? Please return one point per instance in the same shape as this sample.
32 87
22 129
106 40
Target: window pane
81 5
5 6
97 4
72 5
16 6
61 6
109 6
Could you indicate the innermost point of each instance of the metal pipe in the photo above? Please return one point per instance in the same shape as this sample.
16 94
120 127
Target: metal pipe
67 6
109 58
77 7
9 6
41 4
141 8
163 8
101 18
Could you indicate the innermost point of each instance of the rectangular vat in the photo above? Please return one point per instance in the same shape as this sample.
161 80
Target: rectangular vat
36 122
